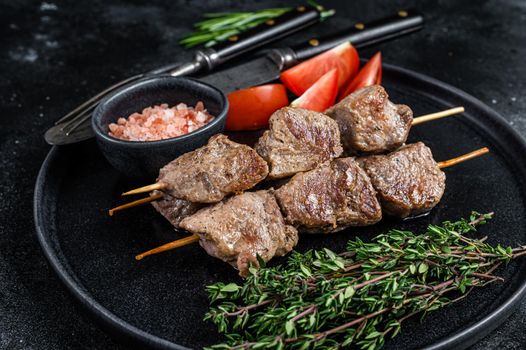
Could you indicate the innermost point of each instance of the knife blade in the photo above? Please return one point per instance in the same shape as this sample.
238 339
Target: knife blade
256 72
267 68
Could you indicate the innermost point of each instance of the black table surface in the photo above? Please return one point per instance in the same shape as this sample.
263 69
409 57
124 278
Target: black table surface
55 54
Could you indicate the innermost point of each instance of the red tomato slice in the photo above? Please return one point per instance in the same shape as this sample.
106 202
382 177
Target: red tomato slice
321 95
370 74
250 109
344 57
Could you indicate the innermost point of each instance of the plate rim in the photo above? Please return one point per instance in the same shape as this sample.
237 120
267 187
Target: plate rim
127 332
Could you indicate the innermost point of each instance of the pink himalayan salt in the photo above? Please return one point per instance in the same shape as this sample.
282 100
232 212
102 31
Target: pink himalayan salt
161 122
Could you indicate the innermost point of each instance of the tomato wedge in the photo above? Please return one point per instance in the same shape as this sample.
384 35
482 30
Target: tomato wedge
250 109
321 95
370 74
344 57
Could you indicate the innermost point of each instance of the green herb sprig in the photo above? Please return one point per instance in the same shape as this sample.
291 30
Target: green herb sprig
220 26
358 298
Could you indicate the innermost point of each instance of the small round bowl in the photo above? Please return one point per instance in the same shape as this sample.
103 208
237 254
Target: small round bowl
144 158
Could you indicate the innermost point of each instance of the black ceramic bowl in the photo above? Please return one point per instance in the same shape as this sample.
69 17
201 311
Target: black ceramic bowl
144 158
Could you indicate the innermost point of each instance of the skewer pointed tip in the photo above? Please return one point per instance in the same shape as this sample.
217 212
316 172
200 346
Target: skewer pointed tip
148 188
169 246
135 203
438 115
450 162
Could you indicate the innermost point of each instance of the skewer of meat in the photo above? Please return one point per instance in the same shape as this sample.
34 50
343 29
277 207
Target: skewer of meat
205 175
298 140
345 192
335 195
366 122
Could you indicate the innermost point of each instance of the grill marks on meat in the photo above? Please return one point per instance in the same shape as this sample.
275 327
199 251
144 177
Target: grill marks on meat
408 181
211 172
174 209
335 195
370 123
298 140
240 227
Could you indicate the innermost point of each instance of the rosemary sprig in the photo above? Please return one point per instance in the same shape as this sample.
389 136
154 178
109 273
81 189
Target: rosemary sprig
220 26
325 300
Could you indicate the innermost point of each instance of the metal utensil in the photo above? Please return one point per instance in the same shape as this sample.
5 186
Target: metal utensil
68 128
267 68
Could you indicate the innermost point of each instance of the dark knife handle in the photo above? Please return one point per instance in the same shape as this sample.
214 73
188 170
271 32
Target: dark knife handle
272 30
361 35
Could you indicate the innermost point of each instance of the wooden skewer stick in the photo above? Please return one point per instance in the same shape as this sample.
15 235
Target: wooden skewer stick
463 158
135 203
148 188
437 115
168 246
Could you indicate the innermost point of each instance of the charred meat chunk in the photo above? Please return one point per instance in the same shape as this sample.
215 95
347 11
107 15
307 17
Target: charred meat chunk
370 123
174 209
298 140
212 172
335 195
408 181
241 227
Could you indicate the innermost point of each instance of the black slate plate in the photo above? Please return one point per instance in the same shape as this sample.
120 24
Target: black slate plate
160 301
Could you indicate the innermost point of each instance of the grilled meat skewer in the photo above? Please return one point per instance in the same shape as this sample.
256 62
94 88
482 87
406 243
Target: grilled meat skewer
211 172
213 225
365 122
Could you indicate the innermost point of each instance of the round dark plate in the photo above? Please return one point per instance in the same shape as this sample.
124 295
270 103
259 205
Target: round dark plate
160 301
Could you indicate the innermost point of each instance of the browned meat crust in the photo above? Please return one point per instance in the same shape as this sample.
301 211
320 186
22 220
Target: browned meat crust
211 172
370 123
239 228
408 181
335 195
298 140
173 209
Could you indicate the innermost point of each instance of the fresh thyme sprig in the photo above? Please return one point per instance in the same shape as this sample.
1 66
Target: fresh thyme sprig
220 26
325 300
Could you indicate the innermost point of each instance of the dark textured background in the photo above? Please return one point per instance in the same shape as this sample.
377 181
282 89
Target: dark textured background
54 54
